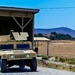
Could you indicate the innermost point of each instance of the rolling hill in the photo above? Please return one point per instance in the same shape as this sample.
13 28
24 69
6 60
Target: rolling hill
62 30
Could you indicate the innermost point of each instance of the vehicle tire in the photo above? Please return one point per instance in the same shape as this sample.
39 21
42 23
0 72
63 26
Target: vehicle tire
33 65
21 66
0 64
3 65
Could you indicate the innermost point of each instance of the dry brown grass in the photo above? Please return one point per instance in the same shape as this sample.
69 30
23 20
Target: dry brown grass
62 48
42 63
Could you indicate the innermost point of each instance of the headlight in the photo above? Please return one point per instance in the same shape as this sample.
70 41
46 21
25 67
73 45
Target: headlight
4 56
11 56
27 56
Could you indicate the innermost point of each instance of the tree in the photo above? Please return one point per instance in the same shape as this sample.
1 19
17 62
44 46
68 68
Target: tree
54 33
35 35
55 36
52 37
40 35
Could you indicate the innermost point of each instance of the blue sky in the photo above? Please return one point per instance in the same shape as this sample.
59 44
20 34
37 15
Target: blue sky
48 18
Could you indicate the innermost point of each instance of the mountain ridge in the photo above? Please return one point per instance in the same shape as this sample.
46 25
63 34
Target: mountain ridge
62 30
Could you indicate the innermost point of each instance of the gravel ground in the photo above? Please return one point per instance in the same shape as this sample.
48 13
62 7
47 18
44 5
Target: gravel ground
40 71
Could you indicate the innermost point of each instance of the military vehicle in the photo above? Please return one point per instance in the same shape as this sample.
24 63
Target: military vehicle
16 47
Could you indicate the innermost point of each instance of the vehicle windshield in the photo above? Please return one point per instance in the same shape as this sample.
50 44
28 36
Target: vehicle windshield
11 46
23 46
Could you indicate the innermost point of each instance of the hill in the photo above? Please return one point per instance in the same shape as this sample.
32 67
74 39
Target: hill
62 30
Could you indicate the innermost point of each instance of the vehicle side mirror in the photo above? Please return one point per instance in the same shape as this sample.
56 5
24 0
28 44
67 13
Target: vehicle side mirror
36 50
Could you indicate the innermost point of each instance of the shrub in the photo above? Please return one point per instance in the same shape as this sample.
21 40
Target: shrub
57 59
62 59
71 61
44 56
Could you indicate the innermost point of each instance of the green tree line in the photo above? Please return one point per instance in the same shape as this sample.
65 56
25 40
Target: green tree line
56 36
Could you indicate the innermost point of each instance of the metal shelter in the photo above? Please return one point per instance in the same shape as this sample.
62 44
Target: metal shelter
18 12
17 19
42 39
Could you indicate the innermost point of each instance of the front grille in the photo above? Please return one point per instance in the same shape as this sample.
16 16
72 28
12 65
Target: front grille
18 51
19 56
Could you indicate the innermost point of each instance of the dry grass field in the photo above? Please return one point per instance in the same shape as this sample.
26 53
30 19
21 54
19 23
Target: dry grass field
62 48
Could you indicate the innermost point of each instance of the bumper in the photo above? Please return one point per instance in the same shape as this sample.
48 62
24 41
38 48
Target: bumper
18 56
19 62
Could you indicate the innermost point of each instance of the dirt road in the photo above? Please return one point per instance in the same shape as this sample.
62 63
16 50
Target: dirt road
40 71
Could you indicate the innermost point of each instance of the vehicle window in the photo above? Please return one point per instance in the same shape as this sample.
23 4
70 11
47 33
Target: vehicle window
23 46
10 46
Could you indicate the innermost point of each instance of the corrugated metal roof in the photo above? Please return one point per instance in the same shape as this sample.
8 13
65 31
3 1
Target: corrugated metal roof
19 9
41 39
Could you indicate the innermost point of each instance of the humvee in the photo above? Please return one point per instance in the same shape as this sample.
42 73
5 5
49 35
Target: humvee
17 51
16 48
